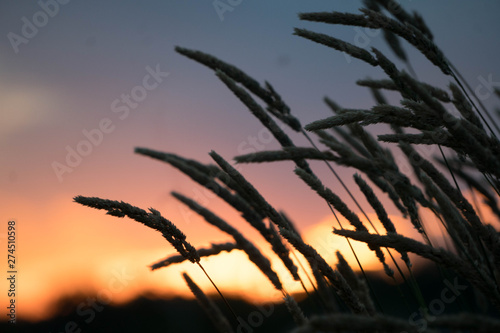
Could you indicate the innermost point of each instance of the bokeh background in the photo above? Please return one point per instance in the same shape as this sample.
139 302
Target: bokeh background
65 78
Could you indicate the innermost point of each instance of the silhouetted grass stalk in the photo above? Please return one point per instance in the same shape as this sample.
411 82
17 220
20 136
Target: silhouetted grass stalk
473 246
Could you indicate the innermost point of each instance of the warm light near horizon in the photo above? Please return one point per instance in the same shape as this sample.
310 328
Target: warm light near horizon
75 251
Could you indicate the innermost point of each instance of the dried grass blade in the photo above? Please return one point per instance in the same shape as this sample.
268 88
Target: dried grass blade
211 309
213 250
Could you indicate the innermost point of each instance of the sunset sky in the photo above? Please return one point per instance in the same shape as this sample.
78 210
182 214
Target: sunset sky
67 79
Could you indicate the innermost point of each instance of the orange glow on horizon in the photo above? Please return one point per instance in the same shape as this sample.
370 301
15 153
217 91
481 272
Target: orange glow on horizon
80 251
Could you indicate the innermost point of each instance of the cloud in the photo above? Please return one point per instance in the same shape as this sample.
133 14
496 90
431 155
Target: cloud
23 107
